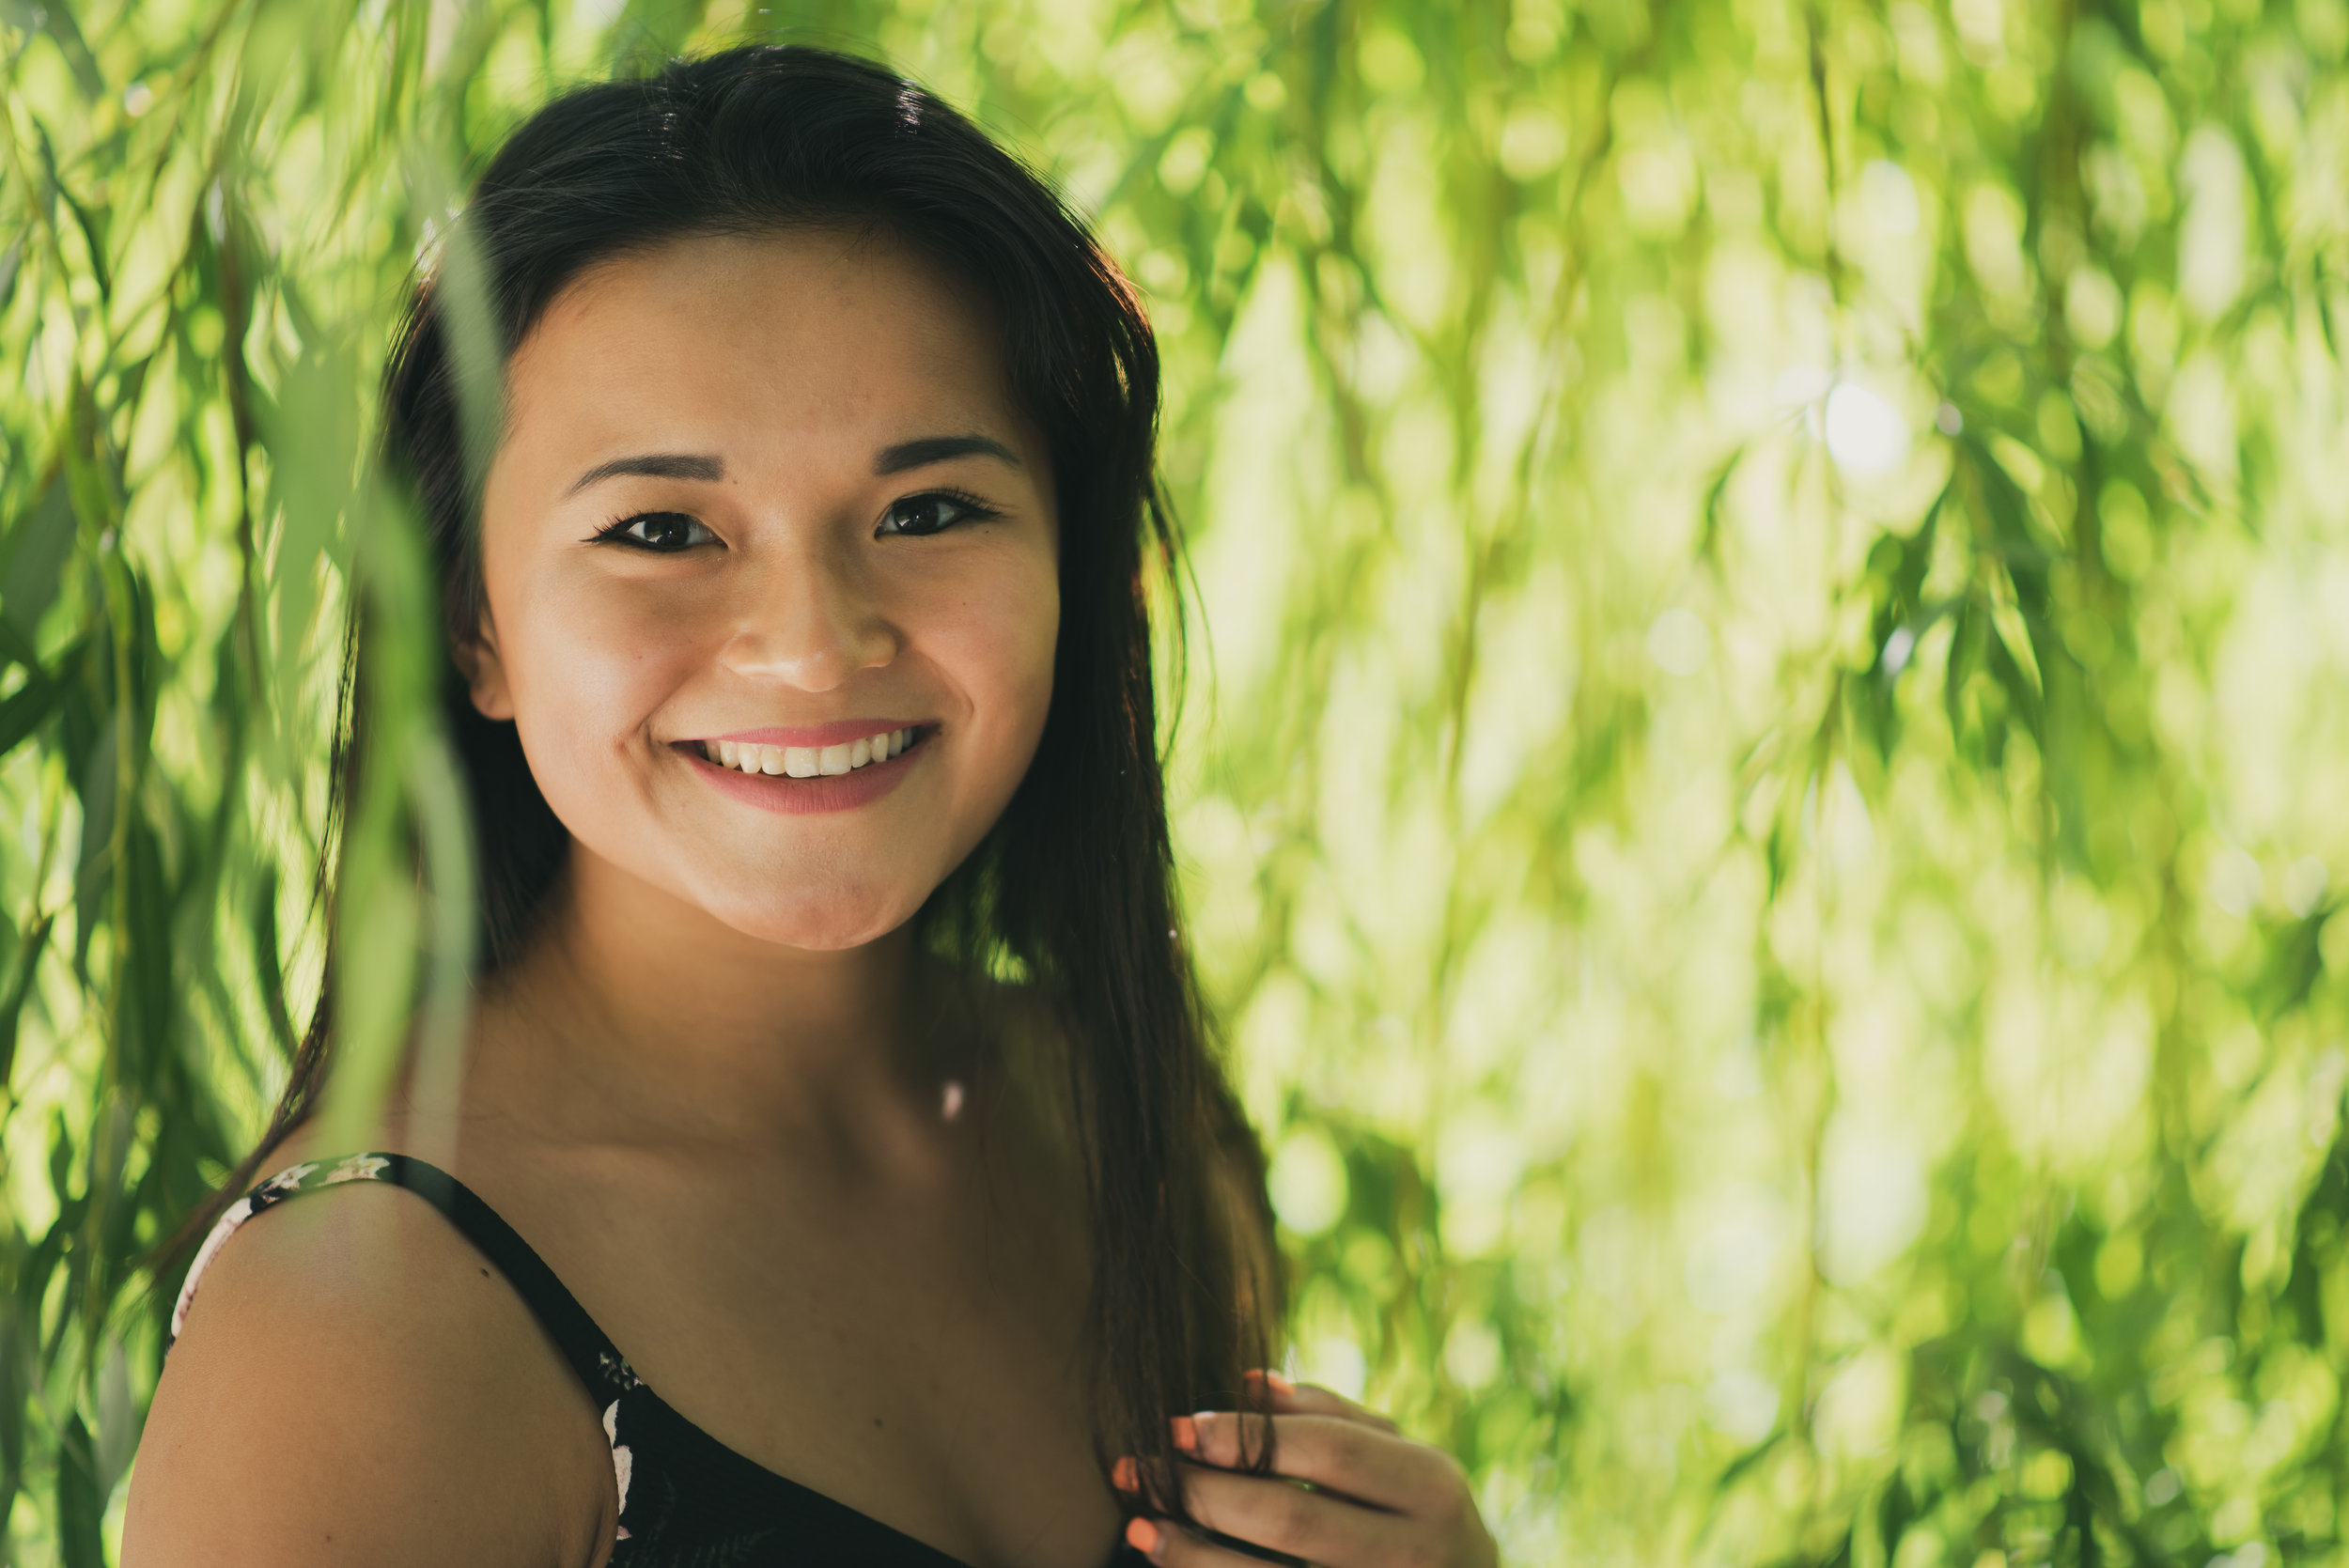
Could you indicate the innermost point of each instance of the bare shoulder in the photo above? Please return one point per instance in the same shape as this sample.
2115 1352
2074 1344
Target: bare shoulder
354 1385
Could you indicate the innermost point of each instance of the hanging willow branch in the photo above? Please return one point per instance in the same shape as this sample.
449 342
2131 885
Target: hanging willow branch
1762 835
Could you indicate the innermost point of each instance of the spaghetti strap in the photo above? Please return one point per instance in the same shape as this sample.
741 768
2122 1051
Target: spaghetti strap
685 1499
584 1345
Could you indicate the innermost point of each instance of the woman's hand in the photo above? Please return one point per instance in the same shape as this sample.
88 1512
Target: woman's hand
1374 1498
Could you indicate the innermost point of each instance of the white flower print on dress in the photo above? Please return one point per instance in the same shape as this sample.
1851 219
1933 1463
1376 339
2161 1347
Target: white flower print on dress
358 1168
287 1179
622 1461
618 1370
239 1212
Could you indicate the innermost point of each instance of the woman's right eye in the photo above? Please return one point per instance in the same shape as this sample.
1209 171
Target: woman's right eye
665 533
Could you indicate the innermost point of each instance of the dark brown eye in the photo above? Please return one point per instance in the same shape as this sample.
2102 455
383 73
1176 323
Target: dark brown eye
934 513
663 531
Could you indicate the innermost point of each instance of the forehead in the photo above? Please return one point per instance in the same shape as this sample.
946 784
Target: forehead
807 330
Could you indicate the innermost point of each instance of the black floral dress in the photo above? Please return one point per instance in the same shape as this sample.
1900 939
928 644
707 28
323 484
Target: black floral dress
687 1501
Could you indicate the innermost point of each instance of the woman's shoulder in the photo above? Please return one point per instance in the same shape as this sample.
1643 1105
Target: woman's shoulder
353 1383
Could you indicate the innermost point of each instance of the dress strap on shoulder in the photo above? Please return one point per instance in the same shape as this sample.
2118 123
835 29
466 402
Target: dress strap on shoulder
587 1346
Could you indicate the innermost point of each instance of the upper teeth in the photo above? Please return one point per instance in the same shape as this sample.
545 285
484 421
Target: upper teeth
806 762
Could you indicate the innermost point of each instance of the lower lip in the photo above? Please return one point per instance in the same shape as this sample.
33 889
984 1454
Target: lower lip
826 792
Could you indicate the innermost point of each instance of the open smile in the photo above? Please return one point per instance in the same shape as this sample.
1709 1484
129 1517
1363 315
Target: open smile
797 773
809 762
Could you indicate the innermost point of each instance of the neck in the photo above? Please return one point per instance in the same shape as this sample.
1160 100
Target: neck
634 1016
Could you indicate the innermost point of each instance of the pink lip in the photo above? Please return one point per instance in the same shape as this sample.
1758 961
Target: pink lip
840 734
826 792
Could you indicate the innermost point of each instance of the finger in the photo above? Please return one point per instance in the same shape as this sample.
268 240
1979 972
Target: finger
1311 1399
1282 1516
1169 1545
1362 1462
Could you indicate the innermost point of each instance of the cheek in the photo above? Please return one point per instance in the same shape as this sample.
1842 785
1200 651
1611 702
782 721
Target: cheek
1003 636
586 663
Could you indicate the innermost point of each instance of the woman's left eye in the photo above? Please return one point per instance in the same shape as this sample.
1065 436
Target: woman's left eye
933 513
665 533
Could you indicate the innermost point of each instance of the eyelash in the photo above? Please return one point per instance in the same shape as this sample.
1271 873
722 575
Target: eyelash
616 532
971 507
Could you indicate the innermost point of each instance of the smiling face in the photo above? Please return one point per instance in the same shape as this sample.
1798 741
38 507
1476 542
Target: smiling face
759 501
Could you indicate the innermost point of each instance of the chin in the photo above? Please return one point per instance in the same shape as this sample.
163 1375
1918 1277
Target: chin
829 923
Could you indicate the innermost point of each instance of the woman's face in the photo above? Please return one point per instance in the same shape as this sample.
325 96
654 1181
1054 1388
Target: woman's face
771 570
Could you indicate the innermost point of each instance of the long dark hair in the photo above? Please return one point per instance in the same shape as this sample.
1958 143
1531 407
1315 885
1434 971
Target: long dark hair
1072 888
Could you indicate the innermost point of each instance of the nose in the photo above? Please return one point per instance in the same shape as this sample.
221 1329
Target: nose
807 619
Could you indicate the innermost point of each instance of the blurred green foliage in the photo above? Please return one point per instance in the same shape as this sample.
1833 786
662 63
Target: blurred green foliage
1755 793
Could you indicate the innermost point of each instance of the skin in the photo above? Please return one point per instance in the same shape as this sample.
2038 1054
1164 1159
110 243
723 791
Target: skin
1374 1496
711 1091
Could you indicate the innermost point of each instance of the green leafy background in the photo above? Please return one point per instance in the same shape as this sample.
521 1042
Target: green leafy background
1760 764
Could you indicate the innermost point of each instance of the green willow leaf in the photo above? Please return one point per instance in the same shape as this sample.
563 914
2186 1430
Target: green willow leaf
32 570
81 1504
1757 806
21 973
22 711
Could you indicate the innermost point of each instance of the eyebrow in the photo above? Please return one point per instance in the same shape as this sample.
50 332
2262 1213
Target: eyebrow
653 465
908 455
900 459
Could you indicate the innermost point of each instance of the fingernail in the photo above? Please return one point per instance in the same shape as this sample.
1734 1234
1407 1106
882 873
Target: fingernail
1187 1434
1143 1537
1274 1381
1125 1476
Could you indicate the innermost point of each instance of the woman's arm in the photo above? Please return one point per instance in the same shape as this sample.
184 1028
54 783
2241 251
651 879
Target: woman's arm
355 1387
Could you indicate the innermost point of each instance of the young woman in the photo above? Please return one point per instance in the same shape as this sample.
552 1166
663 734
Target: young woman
833 1045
